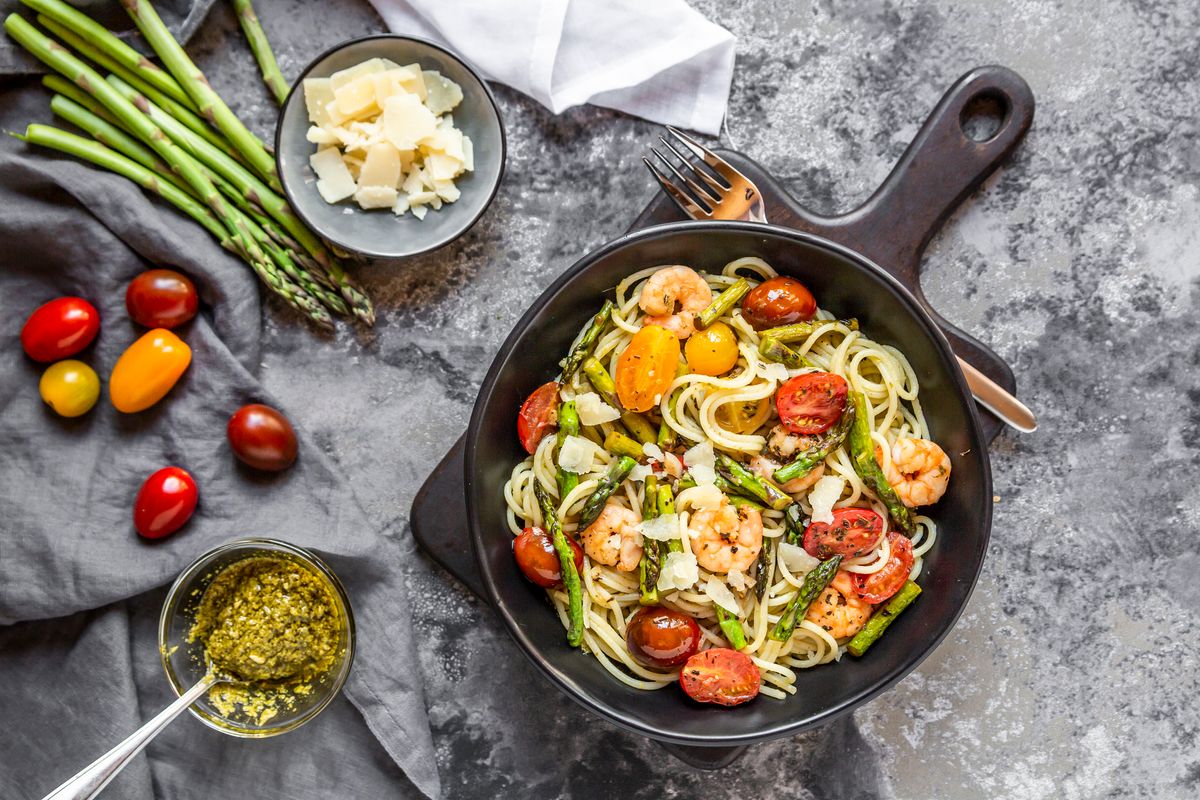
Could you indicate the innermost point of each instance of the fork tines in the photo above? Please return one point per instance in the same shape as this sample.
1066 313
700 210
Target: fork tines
706 191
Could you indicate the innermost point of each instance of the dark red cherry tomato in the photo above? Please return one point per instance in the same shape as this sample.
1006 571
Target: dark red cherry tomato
164 503
262 438
879 586
60 328
161 298
534 551
778 301
722 676
662 638
853 532
538 415
812 402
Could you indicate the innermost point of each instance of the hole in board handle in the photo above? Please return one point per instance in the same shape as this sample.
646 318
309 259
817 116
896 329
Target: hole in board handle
984 116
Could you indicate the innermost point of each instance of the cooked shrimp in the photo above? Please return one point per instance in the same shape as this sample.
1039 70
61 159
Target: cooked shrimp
783 445
838 608
613 539
765 468
919 471
726 538
672 286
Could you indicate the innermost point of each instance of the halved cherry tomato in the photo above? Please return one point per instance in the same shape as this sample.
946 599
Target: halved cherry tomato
662 637
778 301
721 676
712 351
262 438
70 387
534 551
853 532
161 298
879 586
539 413
812 402
646 368
147 370
60 328
164 503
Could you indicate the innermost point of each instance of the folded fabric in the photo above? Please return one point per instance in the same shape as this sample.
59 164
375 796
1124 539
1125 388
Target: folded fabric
660 60
67 485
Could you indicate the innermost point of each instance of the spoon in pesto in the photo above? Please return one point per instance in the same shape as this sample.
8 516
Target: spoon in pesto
95 776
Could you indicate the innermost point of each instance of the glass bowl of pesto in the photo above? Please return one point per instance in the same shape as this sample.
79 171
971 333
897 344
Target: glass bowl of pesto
270 615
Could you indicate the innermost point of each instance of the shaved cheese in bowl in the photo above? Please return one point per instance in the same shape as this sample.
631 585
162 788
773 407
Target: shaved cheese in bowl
594 411
388 128
822 496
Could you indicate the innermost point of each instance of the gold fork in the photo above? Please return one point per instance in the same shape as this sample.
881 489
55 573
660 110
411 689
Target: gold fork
726 194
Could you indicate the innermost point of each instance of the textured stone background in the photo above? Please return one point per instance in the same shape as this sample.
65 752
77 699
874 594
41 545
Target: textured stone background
1073 672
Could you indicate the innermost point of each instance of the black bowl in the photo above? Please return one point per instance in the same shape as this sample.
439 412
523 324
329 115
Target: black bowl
845 283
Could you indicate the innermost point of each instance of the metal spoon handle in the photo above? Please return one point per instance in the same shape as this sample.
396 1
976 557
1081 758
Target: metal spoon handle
95 776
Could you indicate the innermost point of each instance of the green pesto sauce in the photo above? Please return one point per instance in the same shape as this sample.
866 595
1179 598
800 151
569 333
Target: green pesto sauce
269 619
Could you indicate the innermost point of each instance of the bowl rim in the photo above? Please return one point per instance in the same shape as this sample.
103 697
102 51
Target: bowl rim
357 249
562 679
262 545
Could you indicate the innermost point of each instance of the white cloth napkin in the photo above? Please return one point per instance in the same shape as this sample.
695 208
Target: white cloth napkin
657 59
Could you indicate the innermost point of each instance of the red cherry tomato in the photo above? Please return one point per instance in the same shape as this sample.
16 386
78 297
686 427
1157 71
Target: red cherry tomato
161 298
812 402
262 437
661 637
778 301
60 328
879 586
164 503
721 676
853 532
538 415
534 550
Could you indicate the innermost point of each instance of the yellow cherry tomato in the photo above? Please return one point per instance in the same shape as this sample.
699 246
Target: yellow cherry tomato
147 370
712 351
70 387
646 368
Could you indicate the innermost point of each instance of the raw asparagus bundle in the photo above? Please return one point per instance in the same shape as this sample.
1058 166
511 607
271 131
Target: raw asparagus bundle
168 131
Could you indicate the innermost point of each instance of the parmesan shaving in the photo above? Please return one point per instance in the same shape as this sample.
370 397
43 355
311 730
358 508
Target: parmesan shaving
661 529
679 571
719 593
575 455
797 559
738 580
702 497
594 411
823 495
776 372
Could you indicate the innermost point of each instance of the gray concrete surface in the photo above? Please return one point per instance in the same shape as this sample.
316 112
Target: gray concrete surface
1075 669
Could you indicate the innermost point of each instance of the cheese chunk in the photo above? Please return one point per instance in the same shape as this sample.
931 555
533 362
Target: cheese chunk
318 135
381 167
594 411
406 121
719 593
576 455
679 571
824 493
468 154
444 94
447 191
442 168
356 100
318 94
376 197
334 180
343 77
419 212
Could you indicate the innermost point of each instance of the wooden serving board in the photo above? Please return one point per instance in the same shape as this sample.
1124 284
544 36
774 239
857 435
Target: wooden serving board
941 167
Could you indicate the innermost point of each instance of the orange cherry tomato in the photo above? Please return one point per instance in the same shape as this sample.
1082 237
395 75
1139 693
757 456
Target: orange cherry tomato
712 351
147 370
722 676
646 368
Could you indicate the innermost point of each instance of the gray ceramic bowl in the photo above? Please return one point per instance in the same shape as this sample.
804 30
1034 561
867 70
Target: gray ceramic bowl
380 233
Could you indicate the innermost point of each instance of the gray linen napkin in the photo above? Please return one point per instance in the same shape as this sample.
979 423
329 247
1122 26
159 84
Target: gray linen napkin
80 591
